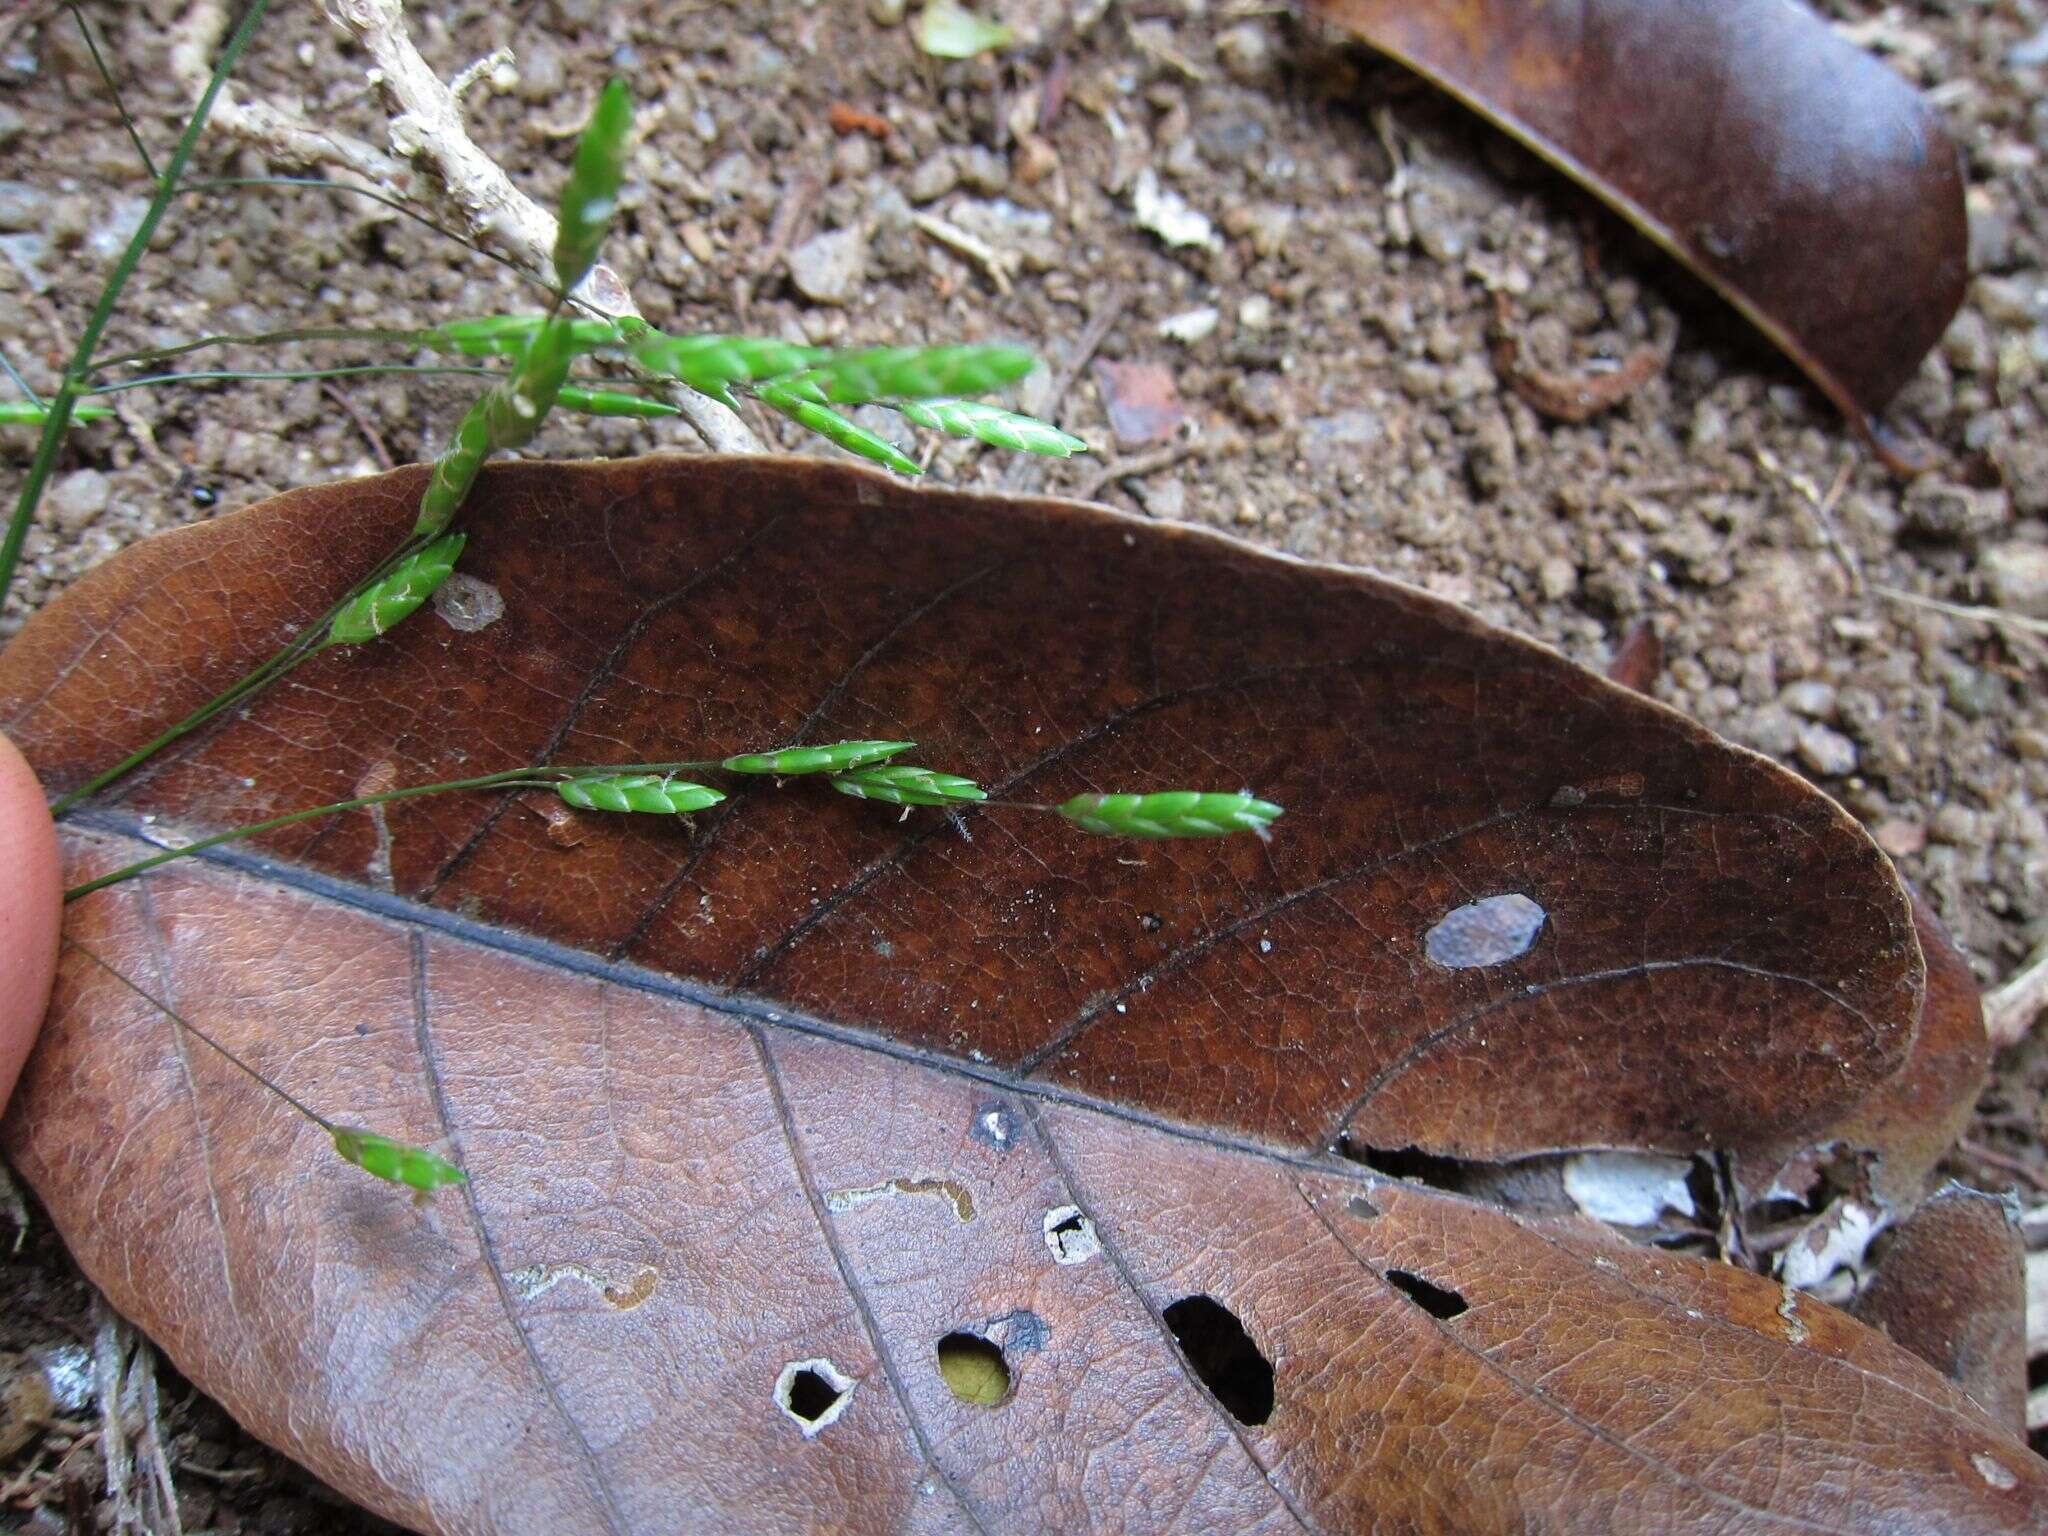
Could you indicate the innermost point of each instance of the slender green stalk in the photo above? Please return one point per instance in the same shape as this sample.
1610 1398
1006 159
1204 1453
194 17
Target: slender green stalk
530 776
320 183
197 1033
72 384
99 63
284 375
294 651
382 1157
7 367
366 333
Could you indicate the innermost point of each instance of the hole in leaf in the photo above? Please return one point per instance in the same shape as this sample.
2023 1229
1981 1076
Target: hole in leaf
1433 1299
1070 1235
1224 1356
974 1369
1362 1208
813 1393
1490 931
1412 1163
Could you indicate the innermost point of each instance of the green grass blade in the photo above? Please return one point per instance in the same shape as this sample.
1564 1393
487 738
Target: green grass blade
72 384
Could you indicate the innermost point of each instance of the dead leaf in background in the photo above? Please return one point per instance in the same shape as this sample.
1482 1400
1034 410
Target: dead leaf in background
784 1127
1809 185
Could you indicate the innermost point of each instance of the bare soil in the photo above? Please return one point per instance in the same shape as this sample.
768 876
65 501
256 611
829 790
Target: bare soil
1369 237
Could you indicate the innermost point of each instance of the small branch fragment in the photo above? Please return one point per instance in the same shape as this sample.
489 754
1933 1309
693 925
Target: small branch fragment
2011 1008
428 133
284 135
995 263
1565 397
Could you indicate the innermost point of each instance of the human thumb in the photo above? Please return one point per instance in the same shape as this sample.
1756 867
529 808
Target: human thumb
31 905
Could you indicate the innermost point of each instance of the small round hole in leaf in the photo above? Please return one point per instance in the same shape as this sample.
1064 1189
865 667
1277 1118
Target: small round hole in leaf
974 1369
813 1394
1230 1365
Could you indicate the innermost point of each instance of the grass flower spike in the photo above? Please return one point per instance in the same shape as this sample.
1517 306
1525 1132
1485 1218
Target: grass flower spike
835 757
652 793
592 191
901 784
991 424
910 373
393 1161
835 428
1172 813
411 582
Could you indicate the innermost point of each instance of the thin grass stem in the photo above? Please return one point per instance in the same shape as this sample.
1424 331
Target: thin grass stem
524 777
99 63
72 384
285 375
197 1033
264 338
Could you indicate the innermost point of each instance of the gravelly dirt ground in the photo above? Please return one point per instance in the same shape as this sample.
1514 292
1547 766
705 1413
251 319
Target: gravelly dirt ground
1343 406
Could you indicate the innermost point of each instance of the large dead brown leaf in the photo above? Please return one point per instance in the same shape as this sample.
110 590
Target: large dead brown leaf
815 1085
1801 178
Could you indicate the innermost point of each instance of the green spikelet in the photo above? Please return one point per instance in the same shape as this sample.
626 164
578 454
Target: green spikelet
909 373
653 793
711 365
612 402
508 335
835 428
592 190
411 582
901 784
834 757
394 1161
1172 813
991 424
503 416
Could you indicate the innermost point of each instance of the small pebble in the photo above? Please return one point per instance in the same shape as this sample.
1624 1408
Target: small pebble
23 206
828 268
936 176
2016 575
983 170
1827 752
78 498
1811 698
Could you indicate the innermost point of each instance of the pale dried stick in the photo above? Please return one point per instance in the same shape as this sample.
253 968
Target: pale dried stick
427 132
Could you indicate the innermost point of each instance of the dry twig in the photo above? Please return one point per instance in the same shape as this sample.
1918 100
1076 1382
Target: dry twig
427 133
2011 1008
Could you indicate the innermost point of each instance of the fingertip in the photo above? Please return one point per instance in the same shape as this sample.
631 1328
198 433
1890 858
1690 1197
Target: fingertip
31 909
